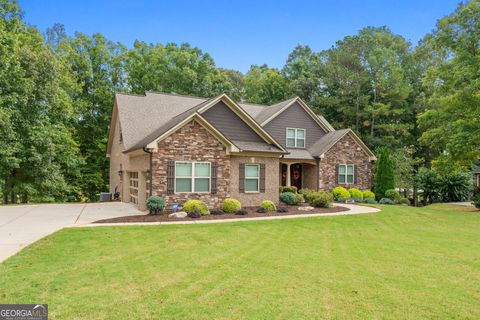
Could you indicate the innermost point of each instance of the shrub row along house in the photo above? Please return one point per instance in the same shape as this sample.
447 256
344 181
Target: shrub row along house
182 147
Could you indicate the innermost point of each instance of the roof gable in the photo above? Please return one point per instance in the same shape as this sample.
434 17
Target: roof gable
275 110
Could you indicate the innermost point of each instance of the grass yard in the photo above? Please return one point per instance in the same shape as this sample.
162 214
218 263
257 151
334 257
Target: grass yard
400 263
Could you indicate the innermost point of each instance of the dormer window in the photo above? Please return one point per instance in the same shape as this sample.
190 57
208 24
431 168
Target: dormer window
295 138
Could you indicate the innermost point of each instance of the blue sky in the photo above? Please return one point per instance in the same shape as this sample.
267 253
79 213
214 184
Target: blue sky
239 33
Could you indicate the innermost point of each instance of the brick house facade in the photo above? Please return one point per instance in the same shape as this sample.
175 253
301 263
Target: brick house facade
228 149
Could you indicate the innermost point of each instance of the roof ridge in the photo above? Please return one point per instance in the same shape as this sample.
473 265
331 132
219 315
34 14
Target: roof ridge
130 94
177 95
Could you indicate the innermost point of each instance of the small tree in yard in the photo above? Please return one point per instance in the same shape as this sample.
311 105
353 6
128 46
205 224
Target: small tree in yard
384 177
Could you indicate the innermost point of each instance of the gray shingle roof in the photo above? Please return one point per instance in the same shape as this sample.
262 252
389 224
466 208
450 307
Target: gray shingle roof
255 146
326 142
144 118
300 154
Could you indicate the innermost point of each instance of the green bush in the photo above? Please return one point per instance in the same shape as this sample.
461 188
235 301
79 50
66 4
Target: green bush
385 201
370 201
476 201
299 198
268 205
155 204
306 193
291 189
321 199
231 205
384 176
392 194
367 194
288 198
196 205
404 201
340 192
355 193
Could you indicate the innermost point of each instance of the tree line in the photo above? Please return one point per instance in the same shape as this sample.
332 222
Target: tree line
421 102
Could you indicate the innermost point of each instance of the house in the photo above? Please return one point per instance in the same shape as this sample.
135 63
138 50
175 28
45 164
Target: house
181 147
476 177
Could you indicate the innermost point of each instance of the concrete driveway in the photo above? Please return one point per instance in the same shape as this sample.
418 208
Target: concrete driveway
24 224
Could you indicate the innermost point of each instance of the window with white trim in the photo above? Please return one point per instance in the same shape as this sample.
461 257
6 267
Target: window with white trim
346 173
295 138
252 178
192 176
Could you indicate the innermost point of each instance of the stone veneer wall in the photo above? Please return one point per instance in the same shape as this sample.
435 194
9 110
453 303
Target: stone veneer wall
272 183
345 151
192 142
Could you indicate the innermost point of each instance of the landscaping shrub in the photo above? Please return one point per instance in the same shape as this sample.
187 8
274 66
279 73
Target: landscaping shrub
155 204
231 205
306 193
288 198
385 201
384 176
241 212
355 193
455 186
282 210
321 200
367 194
196 205
404 201
262 210
476 201
194 214
291 189
370 201
392 194
342 200
268 205
340 192
217 212
299 198
356 199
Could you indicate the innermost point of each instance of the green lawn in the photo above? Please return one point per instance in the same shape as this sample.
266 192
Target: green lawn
400 263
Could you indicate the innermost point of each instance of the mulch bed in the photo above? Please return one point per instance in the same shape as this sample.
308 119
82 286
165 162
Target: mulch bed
251 214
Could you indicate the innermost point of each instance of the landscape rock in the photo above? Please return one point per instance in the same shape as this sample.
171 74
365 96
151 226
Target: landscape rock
180 214
305 208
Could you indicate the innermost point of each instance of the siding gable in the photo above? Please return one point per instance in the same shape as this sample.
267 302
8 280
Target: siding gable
294 117
229 124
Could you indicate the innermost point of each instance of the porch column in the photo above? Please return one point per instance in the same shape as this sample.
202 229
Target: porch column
288 175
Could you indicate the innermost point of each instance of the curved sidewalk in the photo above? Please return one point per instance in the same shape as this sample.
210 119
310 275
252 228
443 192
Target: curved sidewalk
353 209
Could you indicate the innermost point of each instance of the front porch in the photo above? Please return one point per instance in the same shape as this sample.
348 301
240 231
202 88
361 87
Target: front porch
299 173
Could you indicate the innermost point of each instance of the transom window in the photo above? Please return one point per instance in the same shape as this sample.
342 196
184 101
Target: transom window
252 177
192 176
295 138
346 173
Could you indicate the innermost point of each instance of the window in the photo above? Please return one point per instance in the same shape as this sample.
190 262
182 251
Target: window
192 176
295 138
252 177
346 173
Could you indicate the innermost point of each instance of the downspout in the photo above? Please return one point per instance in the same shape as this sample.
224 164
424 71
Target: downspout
318 173
150 161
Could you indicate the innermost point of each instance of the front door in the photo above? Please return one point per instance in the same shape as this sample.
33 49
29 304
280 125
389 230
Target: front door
296 175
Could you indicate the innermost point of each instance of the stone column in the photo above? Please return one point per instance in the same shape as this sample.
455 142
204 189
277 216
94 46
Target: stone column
142 190
288 175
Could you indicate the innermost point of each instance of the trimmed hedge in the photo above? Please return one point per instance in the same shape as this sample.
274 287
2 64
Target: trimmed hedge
156 204
196 205
392 194
355 193
268 205
291 189
288 198
385 201
340 192
367 194
231 205
321 199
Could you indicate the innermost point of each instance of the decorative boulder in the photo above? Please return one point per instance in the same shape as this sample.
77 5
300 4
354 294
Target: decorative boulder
180 214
